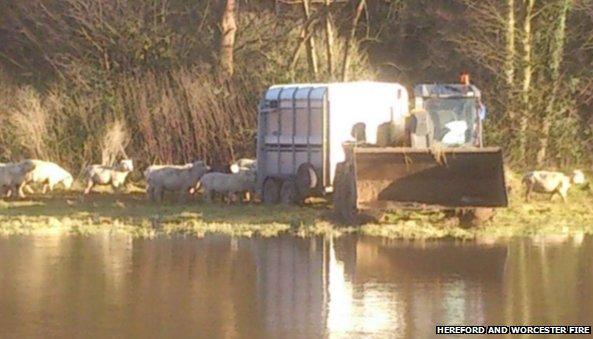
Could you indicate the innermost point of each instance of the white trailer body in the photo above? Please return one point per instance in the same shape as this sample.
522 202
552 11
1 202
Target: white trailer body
307 124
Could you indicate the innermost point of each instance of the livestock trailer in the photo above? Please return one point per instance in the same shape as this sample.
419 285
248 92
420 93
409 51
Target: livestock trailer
302 127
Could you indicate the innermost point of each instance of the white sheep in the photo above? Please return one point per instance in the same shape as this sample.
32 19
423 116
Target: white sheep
551 182
108 175
228 185
49 174
181 179
14 175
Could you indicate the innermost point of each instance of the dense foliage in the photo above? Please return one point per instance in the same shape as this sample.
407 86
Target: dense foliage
72 71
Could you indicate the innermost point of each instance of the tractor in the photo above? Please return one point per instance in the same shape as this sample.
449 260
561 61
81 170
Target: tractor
358 142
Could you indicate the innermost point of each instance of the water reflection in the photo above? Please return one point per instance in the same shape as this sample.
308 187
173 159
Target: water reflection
105 286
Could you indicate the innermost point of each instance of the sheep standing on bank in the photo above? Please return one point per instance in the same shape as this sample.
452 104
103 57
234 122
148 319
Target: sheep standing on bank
181 179
229 185
49 174
551 182
108 175
153 168
14 175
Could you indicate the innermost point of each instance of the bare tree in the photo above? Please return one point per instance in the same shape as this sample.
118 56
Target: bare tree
329 39
510 44
510 59
350 38
227 42
555 60
527 74
308 36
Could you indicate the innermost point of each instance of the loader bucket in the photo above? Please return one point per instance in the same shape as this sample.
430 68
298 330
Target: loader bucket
404 177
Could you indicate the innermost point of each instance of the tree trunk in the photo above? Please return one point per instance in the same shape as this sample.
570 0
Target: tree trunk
357 14
329 40
227 41
527 73
556 57
543 142
510 46
509 67
311 53
304 37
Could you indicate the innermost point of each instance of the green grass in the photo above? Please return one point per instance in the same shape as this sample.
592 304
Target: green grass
540 217
131 213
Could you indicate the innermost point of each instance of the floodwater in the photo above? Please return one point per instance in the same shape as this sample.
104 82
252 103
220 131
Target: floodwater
217 287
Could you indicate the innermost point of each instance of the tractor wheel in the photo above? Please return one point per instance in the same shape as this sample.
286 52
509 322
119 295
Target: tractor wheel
345 194
289 194
271 191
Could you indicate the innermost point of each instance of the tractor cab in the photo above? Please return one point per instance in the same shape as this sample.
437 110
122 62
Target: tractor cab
449 114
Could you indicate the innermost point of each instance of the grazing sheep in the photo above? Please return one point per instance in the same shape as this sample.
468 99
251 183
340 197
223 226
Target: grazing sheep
153 168
244 165
228 185
551 182
14 175
49 174
181 179
105 175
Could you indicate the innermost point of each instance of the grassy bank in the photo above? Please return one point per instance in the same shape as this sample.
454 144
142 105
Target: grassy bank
540 217
131 213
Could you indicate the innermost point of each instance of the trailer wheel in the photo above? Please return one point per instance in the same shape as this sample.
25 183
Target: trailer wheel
345 194
289 194
271 191
306 179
